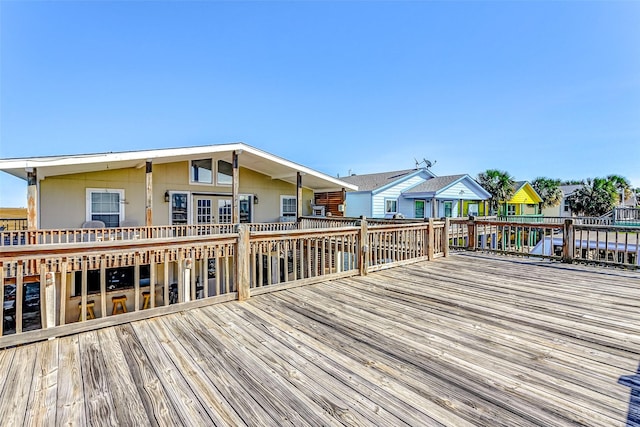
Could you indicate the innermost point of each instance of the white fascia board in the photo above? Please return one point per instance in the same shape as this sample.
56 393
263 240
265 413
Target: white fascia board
80 159
16 166
422 195
298 167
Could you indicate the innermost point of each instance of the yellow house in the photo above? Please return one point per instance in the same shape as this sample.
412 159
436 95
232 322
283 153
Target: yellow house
225 183
525 201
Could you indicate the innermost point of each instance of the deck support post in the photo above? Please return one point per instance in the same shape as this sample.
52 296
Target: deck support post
471 234
568 242
298 196
364 246
186 271
32 199
431 242
242 268
445 237
235 187
148 215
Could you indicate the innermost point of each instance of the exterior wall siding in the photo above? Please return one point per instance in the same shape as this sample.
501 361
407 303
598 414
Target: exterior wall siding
453 192
378 200
358 204
63 198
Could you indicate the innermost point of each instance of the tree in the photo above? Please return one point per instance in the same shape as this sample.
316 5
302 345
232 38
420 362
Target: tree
497 183
597 197
549 191
573 182
622 186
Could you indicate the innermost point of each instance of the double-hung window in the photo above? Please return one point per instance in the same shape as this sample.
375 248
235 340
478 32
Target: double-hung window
106 205
288 206
390 206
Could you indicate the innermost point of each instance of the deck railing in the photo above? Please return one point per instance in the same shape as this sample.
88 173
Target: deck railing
78 235
570 242
12 224
60 288
626 216
581 220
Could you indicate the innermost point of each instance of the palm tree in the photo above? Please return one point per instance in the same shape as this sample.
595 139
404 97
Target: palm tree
549 190
622 186
597 197
497 183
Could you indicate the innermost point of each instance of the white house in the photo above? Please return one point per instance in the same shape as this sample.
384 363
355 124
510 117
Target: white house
414 193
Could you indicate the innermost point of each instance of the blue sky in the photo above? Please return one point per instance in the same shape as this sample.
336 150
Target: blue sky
534 88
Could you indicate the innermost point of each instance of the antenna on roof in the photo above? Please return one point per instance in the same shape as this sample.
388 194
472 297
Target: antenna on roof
427 163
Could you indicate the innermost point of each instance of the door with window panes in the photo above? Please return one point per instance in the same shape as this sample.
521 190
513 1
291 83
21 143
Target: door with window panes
211 210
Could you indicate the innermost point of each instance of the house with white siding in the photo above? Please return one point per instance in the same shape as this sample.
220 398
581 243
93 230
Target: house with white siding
414 193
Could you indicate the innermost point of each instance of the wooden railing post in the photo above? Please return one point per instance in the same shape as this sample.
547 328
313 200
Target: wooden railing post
364 246
431 242
471 234
242 263
568 242
445 237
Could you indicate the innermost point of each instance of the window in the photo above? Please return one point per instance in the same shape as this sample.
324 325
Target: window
224 211
390 206
225 173
246 205
106 205
202 171
511 209
203 211
179 208
288 206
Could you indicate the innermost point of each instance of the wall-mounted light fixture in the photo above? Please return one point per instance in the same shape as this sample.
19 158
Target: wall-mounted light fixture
166 196
255 199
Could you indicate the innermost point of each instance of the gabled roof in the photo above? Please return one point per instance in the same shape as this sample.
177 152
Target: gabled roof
250 158
439 185
376 181
530 194
436 184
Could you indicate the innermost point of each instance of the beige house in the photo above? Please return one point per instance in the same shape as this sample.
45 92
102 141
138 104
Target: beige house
227 183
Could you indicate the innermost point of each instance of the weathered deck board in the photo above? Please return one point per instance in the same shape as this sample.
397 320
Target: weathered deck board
467 340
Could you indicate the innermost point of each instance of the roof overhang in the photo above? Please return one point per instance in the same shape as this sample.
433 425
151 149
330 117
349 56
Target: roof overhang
249 157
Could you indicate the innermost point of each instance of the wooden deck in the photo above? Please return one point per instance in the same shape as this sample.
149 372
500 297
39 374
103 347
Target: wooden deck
466 340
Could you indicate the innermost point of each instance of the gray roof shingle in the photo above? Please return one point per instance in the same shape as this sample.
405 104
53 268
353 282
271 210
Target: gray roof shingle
372 181
434 184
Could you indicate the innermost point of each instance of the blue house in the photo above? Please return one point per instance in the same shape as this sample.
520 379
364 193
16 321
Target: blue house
414 193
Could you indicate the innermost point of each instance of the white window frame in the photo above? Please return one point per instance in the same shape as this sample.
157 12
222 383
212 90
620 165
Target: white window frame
511 207
395 201
282 213
90 191
213 172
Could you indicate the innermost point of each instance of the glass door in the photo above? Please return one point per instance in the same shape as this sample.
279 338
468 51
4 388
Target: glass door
448 209
418 211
